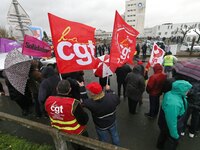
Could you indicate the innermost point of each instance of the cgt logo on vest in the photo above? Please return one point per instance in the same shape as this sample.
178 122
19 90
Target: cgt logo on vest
57 109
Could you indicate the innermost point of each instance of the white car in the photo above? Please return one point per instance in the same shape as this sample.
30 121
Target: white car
48 62
187 46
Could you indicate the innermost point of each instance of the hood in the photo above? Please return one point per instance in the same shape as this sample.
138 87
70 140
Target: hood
137 69
181 87
157 68
48 72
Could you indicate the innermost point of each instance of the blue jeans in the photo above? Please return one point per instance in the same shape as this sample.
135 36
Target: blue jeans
104 135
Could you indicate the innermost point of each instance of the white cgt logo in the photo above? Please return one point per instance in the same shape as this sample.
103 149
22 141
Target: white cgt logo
76 47
56 109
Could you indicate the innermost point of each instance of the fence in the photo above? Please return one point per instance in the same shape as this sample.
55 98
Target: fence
60 138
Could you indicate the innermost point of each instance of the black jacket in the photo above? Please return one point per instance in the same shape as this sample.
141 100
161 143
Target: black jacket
103 108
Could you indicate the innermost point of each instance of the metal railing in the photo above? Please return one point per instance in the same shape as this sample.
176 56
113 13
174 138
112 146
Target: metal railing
61 140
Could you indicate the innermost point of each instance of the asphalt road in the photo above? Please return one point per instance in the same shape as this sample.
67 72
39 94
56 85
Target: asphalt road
136 131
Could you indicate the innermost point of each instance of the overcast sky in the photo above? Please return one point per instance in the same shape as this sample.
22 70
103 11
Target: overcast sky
100 13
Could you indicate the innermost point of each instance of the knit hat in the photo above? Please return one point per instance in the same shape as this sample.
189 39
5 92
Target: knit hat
94 87
63 87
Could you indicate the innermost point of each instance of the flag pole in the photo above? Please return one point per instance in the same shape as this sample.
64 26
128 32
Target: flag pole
60 76
107 80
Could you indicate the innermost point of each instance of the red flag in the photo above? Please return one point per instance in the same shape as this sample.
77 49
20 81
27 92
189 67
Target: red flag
73 45
123 43
34 47
156 56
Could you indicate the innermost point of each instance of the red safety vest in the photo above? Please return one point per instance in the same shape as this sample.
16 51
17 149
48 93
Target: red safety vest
60 111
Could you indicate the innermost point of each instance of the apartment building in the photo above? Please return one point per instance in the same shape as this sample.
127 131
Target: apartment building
135 14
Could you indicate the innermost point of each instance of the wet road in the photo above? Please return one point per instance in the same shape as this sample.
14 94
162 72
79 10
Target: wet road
136 131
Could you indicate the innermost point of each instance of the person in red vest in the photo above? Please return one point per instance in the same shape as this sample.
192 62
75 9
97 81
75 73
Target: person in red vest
66 113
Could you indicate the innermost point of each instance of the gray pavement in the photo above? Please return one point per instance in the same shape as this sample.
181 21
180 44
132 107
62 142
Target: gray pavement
136 131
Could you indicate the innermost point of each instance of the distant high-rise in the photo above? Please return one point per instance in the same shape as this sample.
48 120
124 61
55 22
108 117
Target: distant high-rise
135 14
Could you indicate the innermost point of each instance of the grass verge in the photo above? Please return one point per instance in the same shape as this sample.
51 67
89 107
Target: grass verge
9 142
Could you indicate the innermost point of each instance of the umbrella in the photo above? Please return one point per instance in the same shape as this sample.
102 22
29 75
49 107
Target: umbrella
190 68
103 69
17 67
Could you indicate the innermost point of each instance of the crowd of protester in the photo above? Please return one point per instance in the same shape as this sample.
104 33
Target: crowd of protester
63 99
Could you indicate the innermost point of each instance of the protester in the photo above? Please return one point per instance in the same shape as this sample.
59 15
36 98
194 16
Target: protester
48 85
73 77
135 86
168 63
121 73
144 51
193 109
35 79
24 101
138 51
144 73
66 114
103 108
154 88
171 117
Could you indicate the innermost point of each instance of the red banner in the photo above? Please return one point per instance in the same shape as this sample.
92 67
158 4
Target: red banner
35 47
123 43
73 45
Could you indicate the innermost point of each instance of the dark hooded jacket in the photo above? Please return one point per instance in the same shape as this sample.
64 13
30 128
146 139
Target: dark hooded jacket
122 72
156 81
135 84
48 85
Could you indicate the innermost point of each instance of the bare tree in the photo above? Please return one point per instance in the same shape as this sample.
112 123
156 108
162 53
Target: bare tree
184 30
4 33
198 33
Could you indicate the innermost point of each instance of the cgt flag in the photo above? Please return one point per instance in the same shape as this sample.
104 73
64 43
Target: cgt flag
73 45
156 56
34 47
123 43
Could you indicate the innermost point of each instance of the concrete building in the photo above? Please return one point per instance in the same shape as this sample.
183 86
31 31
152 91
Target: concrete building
103 37
135 14
170 30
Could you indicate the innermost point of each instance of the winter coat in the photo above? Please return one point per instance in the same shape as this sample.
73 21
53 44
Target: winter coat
156 81
174 105
48 85
103 108
122 72
194 96
135 84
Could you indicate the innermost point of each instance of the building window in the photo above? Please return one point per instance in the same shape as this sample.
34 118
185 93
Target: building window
159 33
165 33
172 33
158 27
